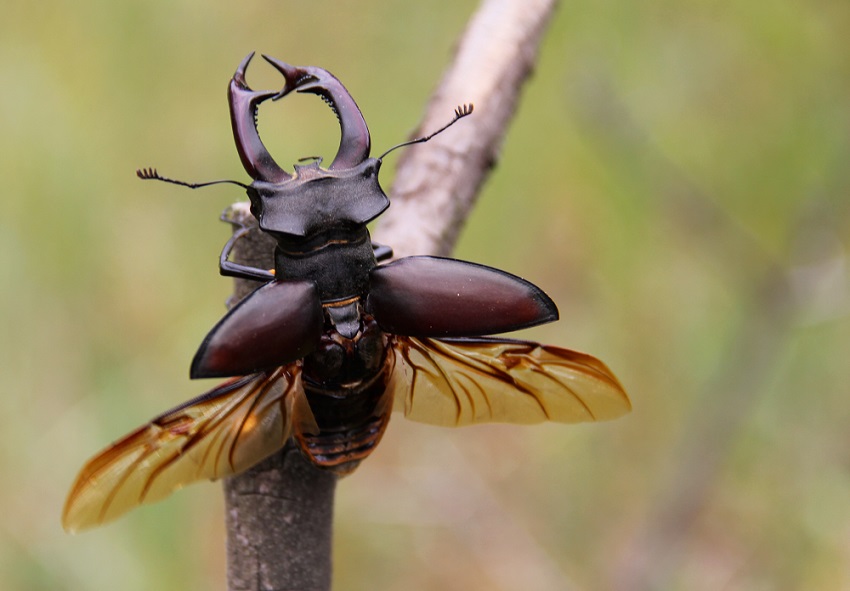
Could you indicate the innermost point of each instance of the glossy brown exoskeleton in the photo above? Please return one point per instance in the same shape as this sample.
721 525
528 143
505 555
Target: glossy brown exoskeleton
332 341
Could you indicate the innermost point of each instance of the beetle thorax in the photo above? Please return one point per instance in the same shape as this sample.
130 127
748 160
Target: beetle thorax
338 262
316 200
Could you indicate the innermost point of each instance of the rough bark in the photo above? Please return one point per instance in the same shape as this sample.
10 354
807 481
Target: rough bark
279 512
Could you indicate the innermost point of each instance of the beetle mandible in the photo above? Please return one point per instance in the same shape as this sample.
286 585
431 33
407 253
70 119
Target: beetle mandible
332 341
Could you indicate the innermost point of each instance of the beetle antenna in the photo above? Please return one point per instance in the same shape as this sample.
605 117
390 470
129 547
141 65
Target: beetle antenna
152 174
460 112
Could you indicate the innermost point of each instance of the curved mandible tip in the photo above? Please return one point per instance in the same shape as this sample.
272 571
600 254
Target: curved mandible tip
355 142
243 101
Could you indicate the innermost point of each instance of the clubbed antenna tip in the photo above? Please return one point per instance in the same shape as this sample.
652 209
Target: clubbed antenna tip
461 111
149 173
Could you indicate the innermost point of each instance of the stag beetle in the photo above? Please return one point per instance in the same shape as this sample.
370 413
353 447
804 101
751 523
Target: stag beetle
332 341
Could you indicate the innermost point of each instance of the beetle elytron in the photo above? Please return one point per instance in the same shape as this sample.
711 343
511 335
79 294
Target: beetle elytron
333 341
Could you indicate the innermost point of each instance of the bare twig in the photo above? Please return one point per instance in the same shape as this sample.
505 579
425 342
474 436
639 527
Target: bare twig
279 512
437 183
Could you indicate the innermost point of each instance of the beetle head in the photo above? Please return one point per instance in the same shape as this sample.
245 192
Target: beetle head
312 199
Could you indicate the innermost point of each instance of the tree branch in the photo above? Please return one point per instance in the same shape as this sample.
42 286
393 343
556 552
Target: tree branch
437 183
279 512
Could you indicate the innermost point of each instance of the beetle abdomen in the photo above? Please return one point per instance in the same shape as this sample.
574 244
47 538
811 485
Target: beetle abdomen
345 382
342 450
351 422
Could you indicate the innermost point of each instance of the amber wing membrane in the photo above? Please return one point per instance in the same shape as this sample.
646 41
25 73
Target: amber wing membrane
222 432
457 382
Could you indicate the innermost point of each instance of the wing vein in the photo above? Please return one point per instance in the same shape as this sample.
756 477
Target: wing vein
449 382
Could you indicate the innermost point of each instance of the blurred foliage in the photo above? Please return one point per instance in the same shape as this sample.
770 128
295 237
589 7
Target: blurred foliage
677 179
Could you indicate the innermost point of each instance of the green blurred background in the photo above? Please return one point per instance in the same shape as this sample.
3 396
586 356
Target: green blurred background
677 179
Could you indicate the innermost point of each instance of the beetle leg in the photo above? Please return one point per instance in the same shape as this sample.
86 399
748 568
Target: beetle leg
231 269
355 143
382 252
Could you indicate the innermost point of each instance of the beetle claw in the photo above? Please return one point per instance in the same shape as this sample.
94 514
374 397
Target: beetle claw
292 75
355 142
239 76
255 158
